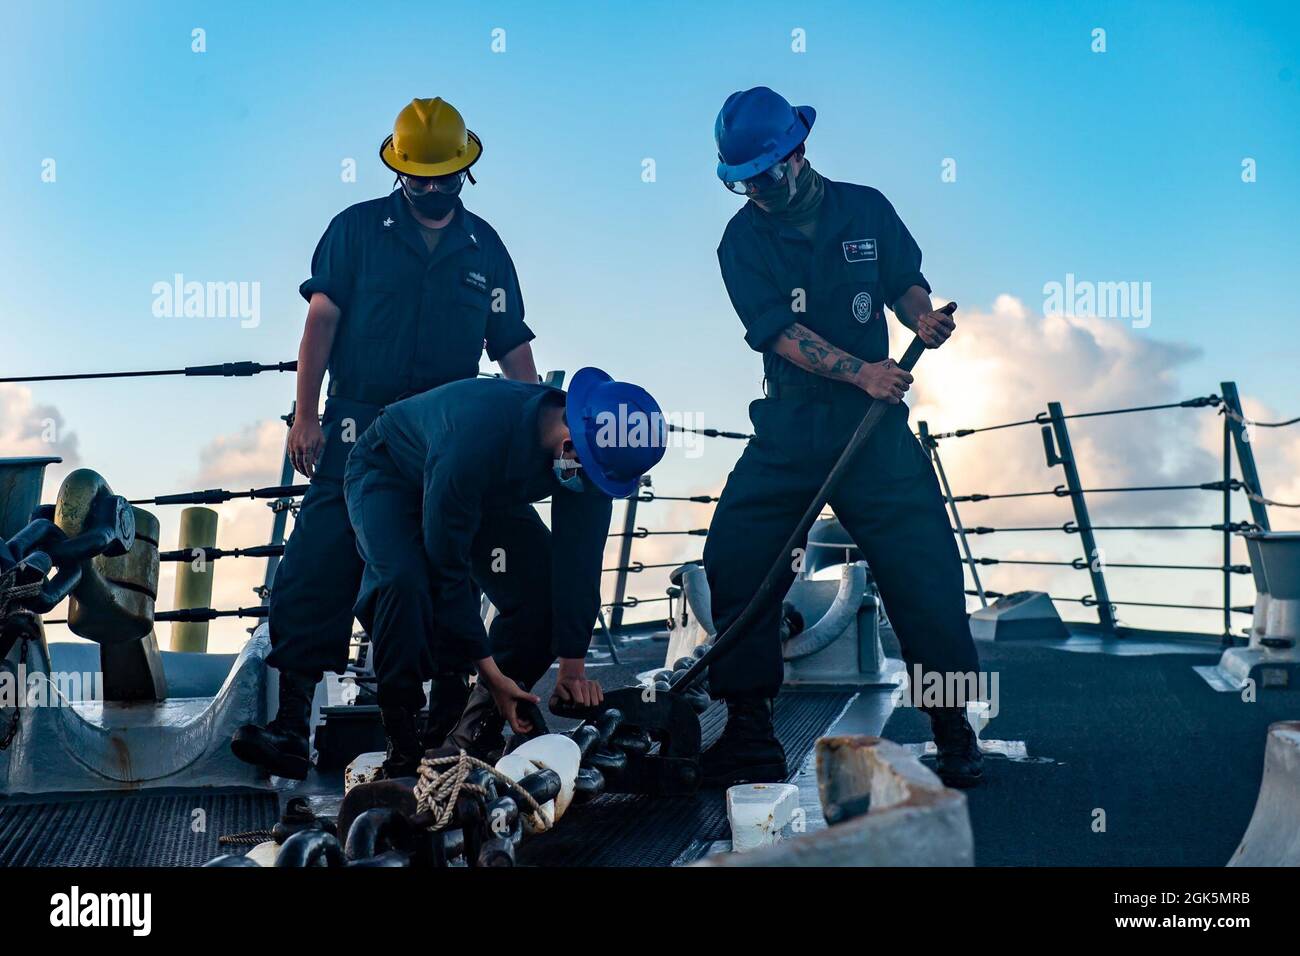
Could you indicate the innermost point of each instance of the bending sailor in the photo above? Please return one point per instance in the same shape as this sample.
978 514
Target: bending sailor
440 490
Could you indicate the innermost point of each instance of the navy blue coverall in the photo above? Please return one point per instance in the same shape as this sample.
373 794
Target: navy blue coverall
440 491
860 259
410 321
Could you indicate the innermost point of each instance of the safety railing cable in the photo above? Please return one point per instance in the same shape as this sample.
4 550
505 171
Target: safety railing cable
226 369
214 496
1044 418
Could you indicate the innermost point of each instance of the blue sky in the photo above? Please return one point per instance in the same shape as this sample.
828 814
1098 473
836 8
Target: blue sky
225 166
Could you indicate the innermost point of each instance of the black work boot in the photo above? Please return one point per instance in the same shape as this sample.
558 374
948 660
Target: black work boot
448 695
401 727
282 747
747 751
960 763
480 732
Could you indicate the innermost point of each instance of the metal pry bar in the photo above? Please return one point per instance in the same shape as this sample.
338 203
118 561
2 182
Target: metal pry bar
725 642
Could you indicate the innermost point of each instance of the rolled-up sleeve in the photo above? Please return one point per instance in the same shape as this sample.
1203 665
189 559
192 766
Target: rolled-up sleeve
900 257
579 529
452 511
506 330
763 308
333 264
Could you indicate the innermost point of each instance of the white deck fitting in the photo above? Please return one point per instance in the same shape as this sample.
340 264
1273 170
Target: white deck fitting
761 814
839 645
1024 614
1275 562
1273 836
913 819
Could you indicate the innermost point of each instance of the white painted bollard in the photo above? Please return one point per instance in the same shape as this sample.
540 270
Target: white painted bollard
761 814
1273 837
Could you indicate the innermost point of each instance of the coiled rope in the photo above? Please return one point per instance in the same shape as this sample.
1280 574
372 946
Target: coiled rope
436 791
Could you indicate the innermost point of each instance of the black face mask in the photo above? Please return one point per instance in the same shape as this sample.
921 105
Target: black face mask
431 205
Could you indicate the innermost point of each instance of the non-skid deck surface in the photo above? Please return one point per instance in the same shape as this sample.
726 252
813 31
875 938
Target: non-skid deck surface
1140 745
139 829
630 830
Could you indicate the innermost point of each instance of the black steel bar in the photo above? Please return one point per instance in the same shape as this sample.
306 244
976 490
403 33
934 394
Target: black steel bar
1063 455
1245 454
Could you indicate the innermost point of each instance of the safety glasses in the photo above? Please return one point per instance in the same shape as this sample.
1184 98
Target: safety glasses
448 185
764 180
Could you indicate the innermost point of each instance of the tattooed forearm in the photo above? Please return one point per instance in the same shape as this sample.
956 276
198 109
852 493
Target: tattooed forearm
805 348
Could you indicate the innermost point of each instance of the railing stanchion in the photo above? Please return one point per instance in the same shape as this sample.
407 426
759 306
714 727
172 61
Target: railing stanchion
931 446
1227 532
624 558
1245 454
282 512
1063 454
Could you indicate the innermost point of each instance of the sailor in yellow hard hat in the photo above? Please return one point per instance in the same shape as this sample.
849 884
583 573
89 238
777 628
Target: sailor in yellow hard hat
405 293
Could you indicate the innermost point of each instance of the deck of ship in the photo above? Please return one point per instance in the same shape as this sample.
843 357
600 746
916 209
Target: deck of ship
1129 759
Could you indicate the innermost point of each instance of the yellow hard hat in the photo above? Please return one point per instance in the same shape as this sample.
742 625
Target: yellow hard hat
430 139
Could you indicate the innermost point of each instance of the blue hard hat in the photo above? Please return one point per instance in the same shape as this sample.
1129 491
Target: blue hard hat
755 130
617 429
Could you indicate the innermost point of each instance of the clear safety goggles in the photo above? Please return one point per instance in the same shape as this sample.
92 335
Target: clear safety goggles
447 185
764 180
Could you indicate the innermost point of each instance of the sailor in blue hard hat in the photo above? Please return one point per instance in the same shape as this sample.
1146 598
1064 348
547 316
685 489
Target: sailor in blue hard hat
618 431
811 265
440 491
757 133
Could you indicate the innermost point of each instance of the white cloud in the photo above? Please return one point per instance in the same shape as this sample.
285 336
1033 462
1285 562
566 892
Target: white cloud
28 428
1005 365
